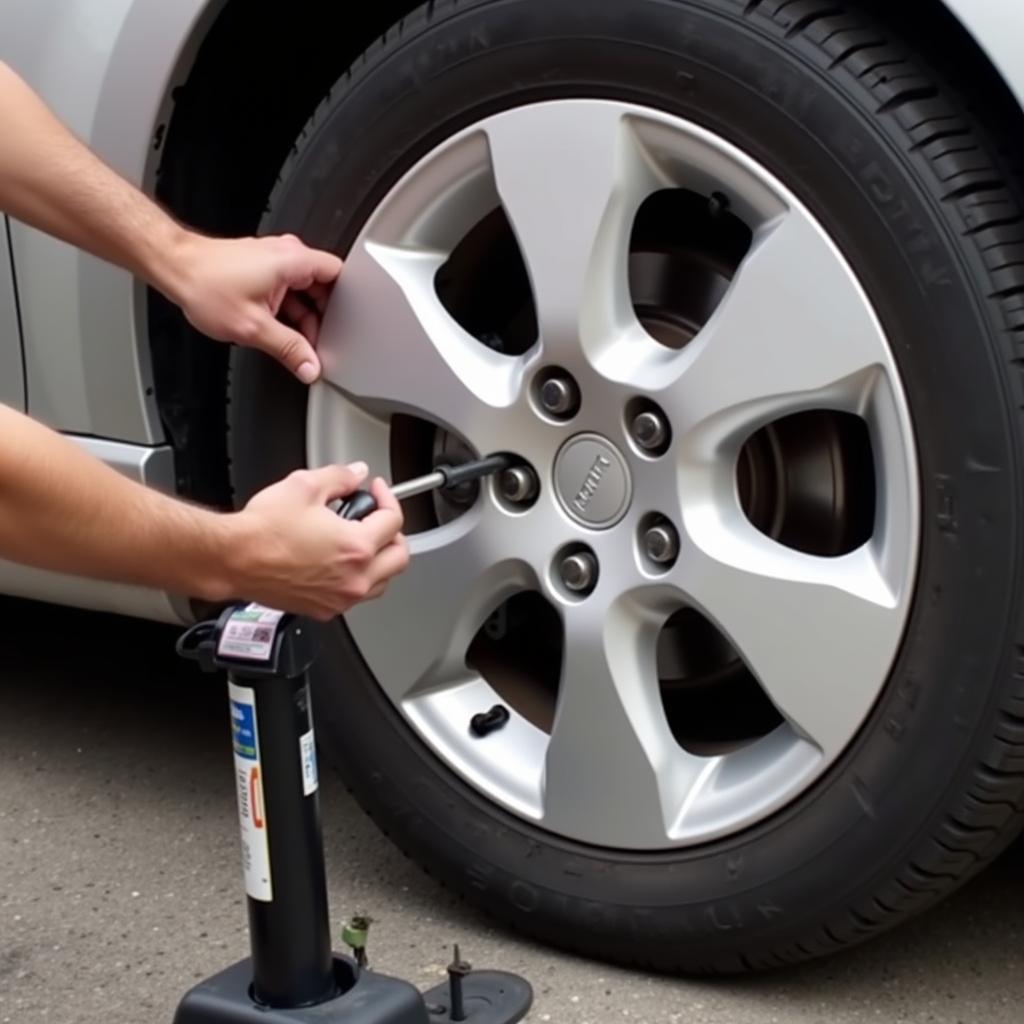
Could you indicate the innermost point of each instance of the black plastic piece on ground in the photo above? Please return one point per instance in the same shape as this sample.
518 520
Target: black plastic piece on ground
489 997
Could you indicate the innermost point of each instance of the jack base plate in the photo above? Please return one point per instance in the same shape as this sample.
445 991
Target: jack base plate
489 997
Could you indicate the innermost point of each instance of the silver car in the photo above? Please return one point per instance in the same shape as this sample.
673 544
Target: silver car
741 282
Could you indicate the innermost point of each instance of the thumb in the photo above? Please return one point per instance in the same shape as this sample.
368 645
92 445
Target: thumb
336 481
289 348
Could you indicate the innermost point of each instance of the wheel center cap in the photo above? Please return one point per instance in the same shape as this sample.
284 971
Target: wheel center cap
592 481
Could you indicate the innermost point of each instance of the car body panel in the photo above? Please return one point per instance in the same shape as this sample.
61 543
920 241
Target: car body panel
151 466
108 70
12 377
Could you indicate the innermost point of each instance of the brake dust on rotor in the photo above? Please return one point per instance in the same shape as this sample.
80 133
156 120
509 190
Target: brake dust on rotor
292 975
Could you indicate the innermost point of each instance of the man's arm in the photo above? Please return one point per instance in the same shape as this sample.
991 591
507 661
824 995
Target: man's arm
230 289
62 509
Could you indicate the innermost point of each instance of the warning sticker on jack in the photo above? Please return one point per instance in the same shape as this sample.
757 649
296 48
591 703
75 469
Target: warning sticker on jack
307 762
249 633
252 817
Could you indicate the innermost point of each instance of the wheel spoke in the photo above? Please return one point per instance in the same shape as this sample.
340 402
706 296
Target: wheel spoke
388 344
417 633
570 177
793 332
818 633
613 771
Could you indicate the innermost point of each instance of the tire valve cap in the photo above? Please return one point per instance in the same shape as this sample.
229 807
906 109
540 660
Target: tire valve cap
661 542
579 572
486 722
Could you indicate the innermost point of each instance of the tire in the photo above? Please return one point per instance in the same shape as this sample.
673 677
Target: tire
911 187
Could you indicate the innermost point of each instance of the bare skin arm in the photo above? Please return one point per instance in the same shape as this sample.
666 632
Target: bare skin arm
61 509
230 289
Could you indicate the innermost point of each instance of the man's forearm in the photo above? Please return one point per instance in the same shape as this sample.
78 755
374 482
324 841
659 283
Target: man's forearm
52 181
61 509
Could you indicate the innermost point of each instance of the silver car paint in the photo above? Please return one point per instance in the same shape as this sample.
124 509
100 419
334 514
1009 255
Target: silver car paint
151 466
107 68
12 385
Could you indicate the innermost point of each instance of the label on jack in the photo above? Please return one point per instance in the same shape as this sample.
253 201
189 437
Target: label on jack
252 817
249 633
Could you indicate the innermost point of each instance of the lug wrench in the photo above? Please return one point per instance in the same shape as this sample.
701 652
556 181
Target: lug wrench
361 503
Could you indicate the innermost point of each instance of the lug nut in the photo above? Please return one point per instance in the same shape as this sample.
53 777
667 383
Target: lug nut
518 485
579 572
650 431
661 542
559 396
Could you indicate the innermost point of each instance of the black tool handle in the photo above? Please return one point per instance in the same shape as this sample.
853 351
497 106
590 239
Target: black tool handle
358 505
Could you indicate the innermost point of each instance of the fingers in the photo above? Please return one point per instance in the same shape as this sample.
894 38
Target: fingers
289 347
390 562
301 316
305 267
383 525
319 293
385 499
334 481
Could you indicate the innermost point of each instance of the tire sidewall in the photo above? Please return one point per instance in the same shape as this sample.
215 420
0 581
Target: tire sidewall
700 60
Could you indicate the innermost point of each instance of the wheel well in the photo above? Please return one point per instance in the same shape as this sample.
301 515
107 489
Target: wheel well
258 74
257 77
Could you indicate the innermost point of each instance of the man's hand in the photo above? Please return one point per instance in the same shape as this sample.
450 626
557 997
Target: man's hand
232 290
293 552
242 289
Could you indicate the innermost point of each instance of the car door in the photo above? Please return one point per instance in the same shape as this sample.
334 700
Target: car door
12 378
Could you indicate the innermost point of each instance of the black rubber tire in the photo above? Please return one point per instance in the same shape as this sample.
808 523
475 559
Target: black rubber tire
912 188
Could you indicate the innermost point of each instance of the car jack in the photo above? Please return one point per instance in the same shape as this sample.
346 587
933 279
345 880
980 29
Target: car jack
292 976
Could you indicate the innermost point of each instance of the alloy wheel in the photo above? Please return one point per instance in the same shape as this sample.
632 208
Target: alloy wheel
668 274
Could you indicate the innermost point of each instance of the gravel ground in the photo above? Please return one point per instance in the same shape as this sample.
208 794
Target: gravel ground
120 883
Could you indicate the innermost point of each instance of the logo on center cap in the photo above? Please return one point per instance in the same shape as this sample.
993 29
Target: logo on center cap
591 484
592 481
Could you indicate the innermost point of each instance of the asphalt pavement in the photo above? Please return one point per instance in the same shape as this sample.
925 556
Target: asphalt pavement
120 883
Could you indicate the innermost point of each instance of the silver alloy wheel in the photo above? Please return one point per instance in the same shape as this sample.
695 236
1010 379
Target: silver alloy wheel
794 332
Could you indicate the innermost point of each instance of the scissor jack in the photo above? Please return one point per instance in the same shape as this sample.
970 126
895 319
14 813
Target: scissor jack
292 976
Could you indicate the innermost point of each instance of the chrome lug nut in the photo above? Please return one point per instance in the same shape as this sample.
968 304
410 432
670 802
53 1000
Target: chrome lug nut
579 572
650 430
661 543
518 485
559 396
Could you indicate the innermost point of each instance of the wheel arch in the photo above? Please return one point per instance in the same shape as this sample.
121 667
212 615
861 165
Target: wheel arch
251 82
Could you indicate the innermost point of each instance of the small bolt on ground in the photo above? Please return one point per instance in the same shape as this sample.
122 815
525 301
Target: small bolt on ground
457 971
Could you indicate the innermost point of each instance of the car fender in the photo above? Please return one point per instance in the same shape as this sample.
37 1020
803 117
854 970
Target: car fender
107 69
